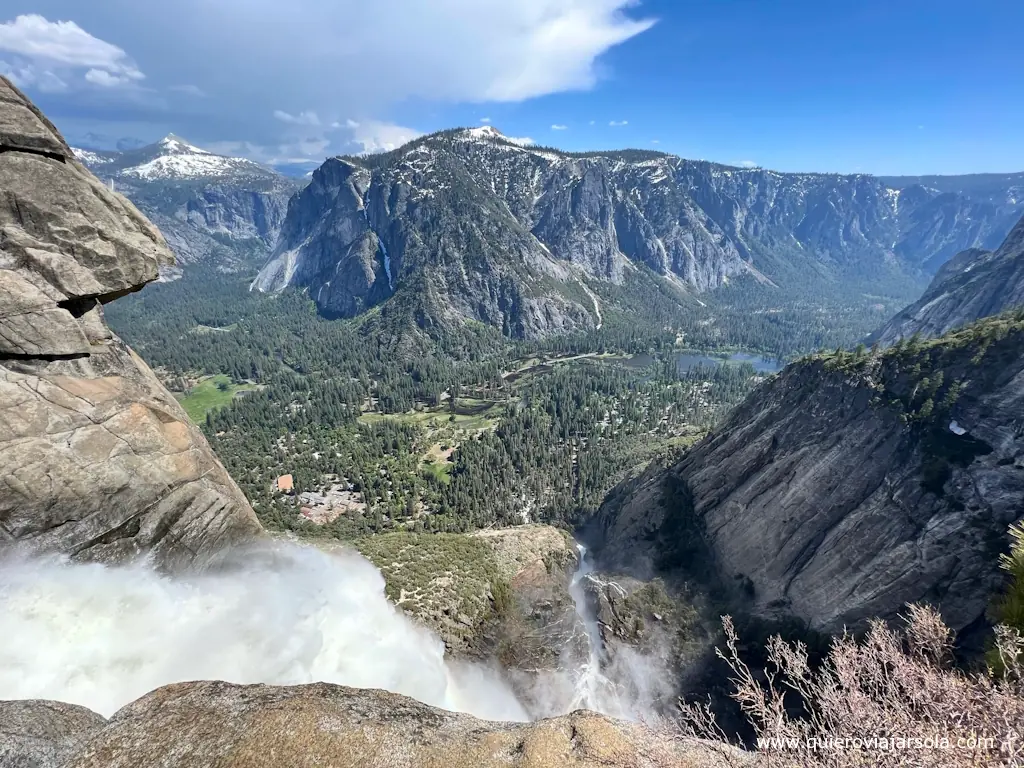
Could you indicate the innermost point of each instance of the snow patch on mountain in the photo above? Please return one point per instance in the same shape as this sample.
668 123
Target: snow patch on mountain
490 133
191 166
87 157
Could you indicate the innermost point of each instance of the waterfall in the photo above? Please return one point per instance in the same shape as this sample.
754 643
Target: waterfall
592 689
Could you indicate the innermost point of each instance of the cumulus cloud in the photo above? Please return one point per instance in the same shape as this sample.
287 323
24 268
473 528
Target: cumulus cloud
557 127
50 54
376 136
339 60
350 51
485 120
27 76
303 118
618 123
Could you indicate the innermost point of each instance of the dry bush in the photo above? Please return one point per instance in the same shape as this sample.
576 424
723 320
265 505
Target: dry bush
889 699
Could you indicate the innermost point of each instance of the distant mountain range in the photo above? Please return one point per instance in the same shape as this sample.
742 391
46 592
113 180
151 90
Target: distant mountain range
227 210
468 224
975 284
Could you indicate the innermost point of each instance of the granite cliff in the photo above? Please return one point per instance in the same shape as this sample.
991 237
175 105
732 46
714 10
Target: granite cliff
847 486
534 241
975 284
207 724
99 460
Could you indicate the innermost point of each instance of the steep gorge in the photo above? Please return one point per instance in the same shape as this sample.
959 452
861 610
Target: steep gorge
847 486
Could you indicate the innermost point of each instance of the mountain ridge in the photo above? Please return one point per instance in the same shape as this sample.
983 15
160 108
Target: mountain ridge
209 207
974 284
502 232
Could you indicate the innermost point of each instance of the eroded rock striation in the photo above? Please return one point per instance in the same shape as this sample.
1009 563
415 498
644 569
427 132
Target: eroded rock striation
99 461
207 724
849 485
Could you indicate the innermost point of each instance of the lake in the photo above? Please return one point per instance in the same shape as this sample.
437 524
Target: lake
687 361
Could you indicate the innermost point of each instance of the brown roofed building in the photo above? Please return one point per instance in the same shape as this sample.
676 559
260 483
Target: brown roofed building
285 484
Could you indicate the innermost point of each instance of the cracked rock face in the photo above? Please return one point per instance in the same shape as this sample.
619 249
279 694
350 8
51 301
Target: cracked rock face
99 461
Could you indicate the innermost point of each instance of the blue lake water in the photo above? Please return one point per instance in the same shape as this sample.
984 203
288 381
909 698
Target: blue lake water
687 361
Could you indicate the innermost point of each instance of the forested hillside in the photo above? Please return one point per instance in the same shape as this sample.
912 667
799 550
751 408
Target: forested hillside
454 433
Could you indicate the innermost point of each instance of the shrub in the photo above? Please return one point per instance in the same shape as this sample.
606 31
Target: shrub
887 690
1010 608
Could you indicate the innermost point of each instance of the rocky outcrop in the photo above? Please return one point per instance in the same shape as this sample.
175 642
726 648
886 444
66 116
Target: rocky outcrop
99 461
43 734
848 486
203 725
468 224
975 284
495 594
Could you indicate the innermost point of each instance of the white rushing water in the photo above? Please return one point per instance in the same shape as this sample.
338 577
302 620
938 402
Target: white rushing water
280 614
593 690
626 686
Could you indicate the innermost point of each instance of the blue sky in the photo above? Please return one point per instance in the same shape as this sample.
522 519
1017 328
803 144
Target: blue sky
878 87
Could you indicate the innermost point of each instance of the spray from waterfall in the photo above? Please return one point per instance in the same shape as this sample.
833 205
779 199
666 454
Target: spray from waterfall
627 686
276 613
280 614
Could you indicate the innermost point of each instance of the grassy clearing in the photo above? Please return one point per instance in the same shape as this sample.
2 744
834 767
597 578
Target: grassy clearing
447 581
442 471
210 394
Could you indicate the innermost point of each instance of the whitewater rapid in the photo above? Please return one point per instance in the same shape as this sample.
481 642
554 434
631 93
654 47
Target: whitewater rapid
281 614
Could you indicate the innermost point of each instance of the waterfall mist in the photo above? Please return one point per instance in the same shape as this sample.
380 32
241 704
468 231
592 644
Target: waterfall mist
278 613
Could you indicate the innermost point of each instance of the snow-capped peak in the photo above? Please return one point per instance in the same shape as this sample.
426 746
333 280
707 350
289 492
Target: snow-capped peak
174 158
485 132
490 133
176 145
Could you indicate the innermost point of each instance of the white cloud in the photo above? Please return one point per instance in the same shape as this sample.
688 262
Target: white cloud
746 164
190 90
485 120
333 57
309 118
105 79
27 76
376 136
557 127
618 123
434 50
50 52
655 141
525 141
